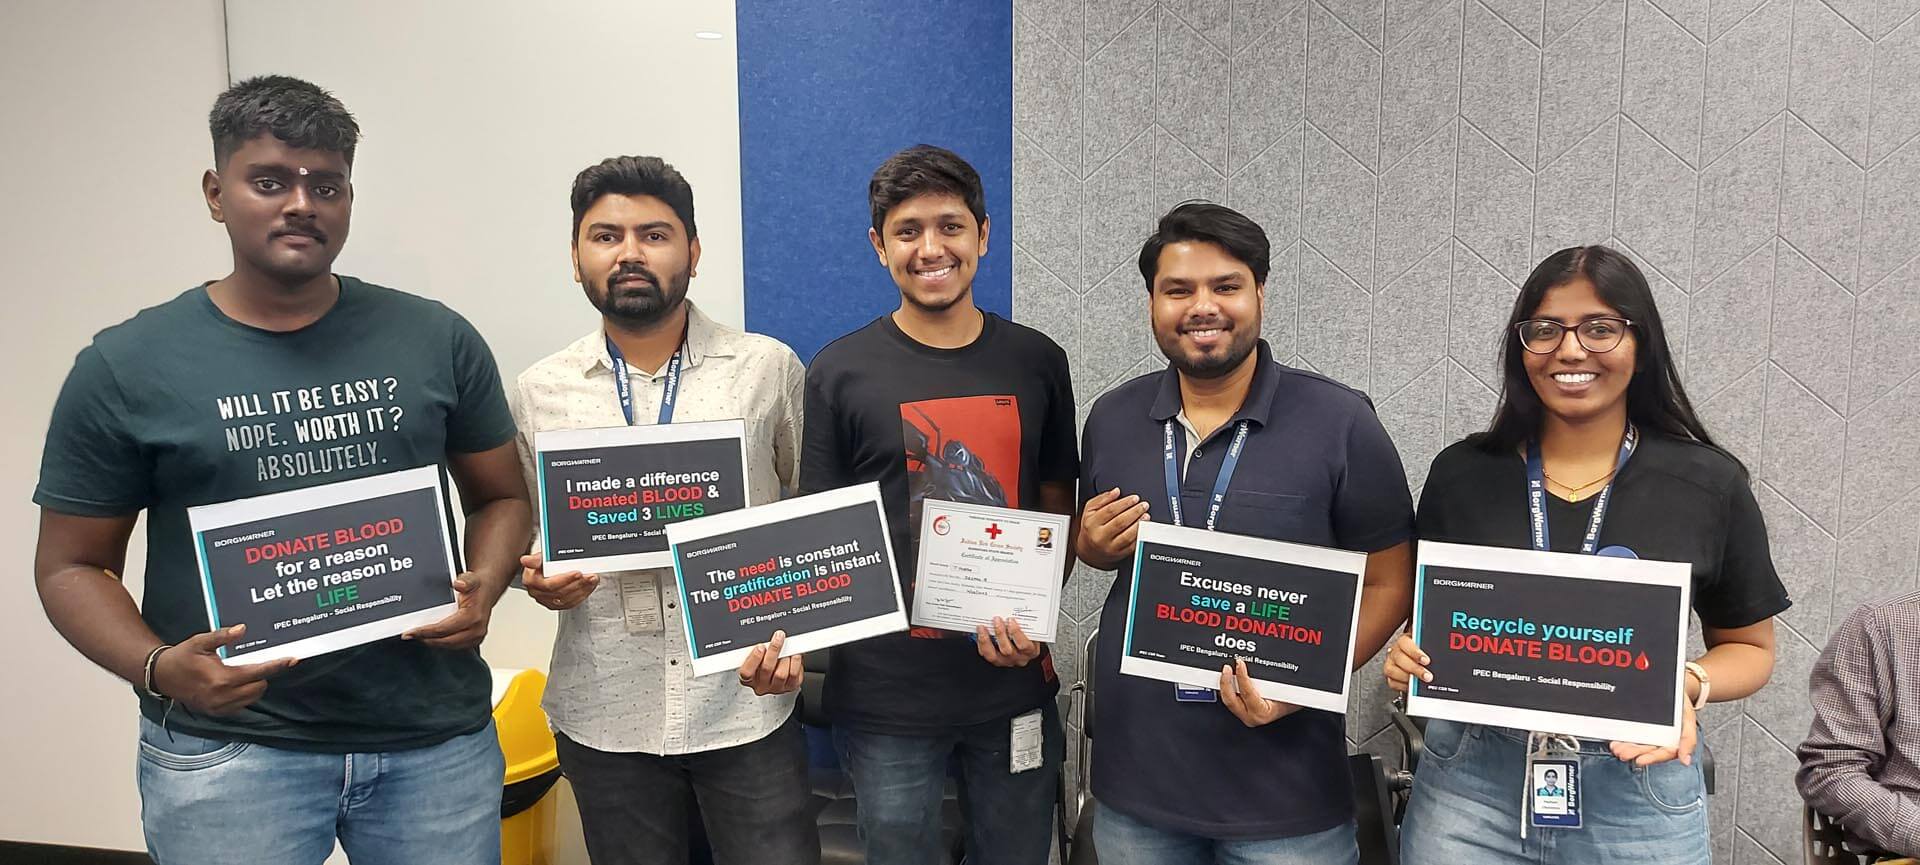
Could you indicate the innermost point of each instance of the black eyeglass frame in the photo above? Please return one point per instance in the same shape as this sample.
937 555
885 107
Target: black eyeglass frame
1560 338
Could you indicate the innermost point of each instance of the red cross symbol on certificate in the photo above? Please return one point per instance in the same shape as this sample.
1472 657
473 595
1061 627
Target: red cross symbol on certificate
994 531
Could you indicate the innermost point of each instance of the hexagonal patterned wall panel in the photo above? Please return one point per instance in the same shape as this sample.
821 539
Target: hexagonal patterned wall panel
1412 159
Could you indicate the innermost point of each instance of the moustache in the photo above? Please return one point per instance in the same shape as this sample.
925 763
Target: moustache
301 231
634 271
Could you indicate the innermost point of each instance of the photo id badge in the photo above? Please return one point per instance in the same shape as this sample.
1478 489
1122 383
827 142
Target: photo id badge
1184 694
640 603
1028 747
1556 793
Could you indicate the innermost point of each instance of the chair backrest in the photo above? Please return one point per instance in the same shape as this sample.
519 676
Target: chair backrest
1087 659
813 685
1082 835
1379 840
1822 842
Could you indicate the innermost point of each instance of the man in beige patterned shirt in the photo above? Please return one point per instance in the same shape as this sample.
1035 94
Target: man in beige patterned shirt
640 738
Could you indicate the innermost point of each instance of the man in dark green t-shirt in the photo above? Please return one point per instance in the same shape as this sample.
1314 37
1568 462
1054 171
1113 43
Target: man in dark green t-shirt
282 376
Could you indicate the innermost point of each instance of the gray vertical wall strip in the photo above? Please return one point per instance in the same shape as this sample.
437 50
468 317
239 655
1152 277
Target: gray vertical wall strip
226 41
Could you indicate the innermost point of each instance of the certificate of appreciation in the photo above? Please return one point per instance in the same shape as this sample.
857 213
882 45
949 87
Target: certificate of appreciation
979 562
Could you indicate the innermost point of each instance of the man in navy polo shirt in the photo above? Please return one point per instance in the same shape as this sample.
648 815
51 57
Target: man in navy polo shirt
1202 776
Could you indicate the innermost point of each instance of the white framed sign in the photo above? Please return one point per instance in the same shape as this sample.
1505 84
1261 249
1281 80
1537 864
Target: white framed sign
606 496
325 568
818 567
1200 599
1589 646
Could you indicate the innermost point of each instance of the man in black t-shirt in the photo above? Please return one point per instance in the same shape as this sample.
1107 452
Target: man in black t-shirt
942 400
283 376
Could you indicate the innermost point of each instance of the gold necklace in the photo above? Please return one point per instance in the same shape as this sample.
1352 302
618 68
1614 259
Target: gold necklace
1573 489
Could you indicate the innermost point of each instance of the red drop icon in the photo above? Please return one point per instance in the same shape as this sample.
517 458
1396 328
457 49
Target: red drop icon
1641 662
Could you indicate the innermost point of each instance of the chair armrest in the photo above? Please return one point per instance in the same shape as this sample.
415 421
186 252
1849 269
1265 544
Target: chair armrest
1706 765
1410 732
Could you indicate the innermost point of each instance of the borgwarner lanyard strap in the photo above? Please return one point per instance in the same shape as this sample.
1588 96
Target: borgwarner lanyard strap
1169 449
624 388
1537 496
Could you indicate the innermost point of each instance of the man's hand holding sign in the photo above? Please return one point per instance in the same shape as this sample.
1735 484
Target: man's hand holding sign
559 592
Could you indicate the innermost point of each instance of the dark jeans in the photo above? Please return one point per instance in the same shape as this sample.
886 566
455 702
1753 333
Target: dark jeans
634 808
900 781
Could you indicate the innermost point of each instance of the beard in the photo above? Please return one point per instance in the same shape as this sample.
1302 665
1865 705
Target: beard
1210 364
642 304
936 305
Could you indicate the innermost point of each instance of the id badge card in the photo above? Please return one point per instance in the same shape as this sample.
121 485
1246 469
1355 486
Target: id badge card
1186 694
640 603
1554 787
1028 745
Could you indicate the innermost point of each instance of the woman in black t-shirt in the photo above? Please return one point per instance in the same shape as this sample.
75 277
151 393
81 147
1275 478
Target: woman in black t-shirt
1587 368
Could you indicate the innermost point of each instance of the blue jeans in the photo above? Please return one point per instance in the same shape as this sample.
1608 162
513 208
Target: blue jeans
900 780
1122 840
208 802
1466 806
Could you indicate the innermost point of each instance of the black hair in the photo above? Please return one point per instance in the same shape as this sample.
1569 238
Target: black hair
920 170
297 112
633 175
1655 398
1207 222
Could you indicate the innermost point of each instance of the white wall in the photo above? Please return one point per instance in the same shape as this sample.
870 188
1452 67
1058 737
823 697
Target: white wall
475 119
105 108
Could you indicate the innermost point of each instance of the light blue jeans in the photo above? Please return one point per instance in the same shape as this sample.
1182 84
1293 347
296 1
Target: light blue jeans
208 802
1466 807
1122 840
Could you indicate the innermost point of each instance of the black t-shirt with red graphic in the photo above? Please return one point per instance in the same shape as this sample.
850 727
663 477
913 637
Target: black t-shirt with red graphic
987 423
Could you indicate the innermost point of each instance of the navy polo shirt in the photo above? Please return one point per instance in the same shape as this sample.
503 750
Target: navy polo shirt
1317 469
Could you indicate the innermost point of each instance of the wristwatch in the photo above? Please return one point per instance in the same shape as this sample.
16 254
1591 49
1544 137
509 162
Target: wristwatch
1706 684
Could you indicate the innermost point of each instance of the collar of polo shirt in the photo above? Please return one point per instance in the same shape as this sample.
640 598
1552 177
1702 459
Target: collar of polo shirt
1257 407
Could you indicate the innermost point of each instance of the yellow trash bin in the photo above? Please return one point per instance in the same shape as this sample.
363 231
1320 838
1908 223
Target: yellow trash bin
527 803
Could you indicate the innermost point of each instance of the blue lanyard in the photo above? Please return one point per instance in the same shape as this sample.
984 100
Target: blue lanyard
1171 451
624 388
1537 495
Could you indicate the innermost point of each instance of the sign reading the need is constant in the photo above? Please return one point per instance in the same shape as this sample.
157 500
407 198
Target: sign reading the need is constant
818 567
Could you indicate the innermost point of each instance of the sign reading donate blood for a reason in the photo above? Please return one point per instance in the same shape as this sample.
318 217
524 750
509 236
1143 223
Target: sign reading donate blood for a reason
320 569
1582 645
818 567
608 495
1202 599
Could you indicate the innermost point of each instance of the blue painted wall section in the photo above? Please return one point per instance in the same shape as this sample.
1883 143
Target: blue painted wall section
829 89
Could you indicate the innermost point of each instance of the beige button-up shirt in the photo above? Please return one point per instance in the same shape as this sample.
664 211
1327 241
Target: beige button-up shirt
611 690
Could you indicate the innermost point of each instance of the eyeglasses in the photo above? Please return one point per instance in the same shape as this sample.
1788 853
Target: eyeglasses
1597 335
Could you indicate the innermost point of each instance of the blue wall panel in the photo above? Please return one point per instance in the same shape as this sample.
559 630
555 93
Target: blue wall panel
830 88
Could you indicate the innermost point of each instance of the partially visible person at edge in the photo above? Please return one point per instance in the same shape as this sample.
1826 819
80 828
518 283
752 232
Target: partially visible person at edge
941 399
1860 763
644 742
1588 372
1226 776
387 747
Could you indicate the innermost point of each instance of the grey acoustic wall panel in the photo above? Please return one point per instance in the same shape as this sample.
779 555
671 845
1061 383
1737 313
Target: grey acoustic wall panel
1412 160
